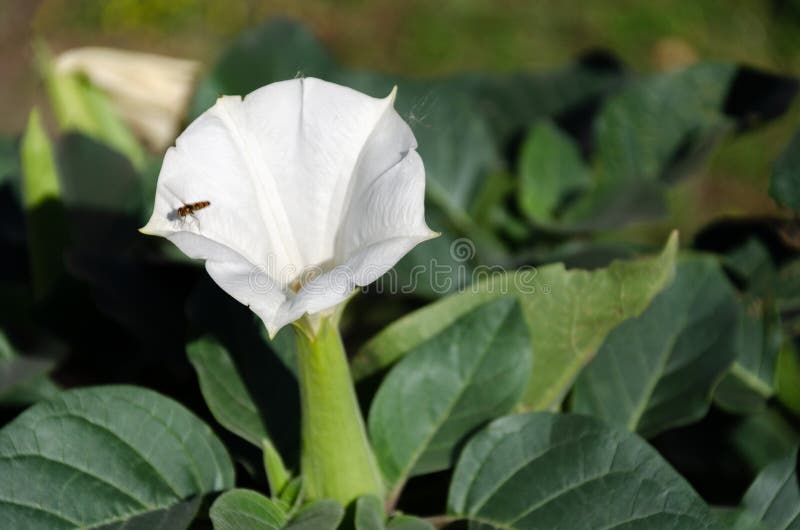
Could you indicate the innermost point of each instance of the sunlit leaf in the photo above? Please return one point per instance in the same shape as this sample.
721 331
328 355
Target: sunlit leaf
568 314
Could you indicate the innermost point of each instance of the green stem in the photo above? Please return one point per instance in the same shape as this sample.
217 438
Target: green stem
337 461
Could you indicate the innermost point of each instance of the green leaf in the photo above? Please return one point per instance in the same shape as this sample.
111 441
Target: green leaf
774 496
277 474
41 193
241 509
470 372
39 166
369 513
568 313
613 205
784 184
551 169
787 287
80 106
763 437
171 518
738 519
224 391
406 522
748 260
102 456
642 129
658 370
292 495
278 50
543 470
9 161
272 387
513 102
751 379
23 380
787 384
319 515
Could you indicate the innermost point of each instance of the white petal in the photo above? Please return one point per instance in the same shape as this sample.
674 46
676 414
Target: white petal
385 207
311 138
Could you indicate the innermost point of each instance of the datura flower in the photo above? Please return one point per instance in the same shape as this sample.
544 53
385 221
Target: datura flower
151 92
294 195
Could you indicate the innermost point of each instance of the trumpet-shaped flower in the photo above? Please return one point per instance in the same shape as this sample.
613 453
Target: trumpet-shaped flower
313 189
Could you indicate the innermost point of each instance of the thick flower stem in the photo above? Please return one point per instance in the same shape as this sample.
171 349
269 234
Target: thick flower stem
337 461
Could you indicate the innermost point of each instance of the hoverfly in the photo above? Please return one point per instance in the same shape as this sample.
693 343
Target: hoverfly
186 211
191 208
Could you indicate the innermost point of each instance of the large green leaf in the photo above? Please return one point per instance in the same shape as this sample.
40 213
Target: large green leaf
241 509
224 392
774 496
551 168
472 371
543 471
784 184
101 457
568 313
658 370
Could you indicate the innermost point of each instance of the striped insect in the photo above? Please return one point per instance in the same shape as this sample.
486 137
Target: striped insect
191 208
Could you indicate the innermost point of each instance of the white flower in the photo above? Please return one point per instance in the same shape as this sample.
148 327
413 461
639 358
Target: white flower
150 91
313 189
